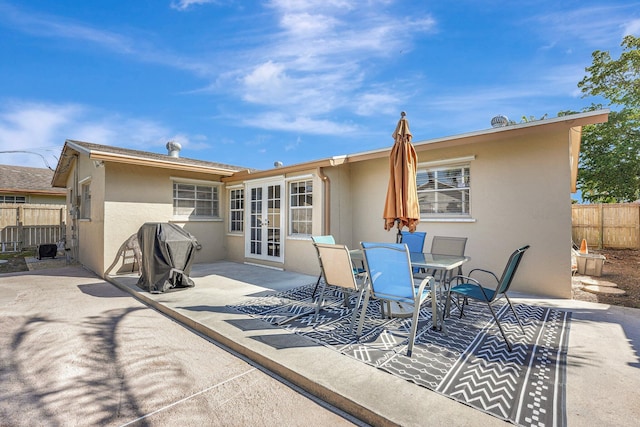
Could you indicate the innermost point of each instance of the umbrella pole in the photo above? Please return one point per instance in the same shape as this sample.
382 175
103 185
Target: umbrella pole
399 235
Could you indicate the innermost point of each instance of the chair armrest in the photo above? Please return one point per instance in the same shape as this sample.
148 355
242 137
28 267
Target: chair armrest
426 281
461 278
485 271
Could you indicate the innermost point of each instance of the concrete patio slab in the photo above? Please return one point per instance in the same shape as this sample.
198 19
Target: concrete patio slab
602 362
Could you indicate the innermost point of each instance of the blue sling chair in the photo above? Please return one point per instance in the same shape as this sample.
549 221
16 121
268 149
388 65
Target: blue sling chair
414 241
467 287
390 279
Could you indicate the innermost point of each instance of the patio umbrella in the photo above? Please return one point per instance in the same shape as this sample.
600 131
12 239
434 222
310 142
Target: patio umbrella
401 205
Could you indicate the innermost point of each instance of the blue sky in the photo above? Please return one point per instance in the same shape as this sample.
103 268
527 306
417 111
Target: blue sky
249 83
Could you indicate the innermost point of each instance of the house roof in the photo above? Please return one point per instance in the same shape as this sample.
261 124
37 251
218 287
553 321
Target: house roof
26 180
572 124
135 157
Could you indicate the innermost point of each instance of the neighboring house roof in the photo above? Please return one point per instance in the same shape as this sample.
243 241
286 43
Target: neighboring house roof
135 157
26 180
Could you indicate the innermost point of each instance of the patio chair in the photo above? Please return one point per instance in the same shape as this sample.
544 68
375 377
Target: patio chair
468 287
443 245
337 269
328 239
390 279
414 241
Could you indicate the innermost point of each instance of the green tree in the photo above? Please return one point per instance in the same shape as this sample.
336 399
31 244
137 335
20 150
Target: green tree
617 80
610 158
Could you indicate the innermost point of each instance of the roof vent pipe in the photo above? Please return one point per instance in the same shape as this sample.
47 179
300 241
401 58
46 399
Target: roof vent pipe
174 148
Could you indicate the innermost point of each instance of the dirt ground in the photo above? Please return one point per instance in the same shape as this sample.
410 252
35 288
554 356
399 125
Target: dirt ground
622 267
14 262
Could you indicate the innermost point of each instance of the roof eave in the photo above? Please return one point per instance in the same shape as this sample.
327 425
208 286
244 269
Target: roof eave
283 170
34 192
166 164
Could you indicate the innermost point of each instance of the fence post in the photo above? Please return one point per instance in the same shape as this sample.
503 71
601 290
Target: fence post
19 216
638 228
601 233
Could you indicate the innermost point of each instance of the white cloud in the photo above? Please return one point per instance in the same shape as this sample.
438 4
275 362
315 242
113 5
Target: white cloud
596 26
321 61
632 28
377 103
306 25
185 4
307 125
317 61
78 34
43 128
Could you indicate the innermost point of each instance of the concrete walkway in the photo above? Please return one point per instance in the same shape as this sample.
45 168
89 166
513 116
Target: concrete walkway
603 378
77 351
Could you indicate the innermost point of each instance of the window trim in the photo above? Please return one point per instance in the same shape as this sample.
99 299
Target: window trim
290 208
442 164
230 210
85 208
14 202
195 182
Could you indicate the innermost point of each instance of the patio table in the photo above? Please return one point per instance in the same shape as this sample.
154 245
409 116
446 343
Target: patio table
428 261
443 263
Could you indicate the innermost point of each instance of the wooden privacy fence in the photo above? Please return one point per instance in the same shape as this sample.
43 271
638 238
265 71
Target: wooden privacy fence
29 225
608 225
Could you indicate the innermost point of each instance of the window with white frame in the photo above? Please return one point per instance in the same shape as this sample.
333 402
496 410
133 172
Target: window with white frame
444 191
12 199
300 207
236 210
85 205
196 200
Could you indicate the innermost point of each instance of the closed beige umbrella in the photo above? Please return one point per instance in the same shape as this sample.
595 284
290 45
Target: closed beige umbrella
401 204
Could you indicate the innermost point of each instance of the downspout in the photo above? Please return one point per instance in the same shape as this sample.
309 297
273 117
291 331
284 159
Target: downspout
326 183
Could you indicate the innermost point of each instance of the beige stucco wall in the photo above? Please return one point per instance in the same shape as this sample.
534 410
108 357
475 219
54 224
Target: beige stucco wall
299 254
136 195
90 231
519 195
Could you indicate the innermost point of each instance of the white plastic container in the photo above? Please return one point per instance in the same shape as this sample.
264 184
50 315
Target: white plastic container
590 264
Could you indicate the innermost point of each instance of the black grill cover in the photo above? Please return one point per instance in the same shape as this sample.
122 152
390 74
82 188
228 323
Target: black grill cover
167 254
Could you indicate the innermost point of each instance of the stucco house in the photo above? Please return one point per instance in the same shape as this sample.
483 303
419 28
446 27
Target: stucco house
501 188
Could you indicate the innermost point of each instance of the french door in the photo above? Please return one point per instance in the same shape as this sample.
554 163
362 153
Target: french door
265 221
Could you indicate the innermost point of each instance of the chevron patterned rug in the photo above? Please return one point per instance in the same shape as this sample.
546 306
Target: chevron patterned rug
470 363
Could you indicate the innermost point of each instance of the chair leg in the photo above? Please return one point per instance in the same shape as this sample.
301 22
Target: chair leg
514 313
500 326
316 287
320 300
464 302
363 313
355 310
414 328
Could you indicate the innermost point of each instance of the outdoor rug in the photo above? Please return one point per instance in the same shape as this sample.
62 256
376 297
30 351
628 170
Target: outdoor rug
470 363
